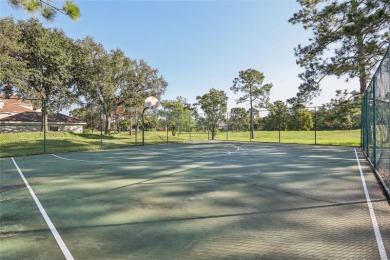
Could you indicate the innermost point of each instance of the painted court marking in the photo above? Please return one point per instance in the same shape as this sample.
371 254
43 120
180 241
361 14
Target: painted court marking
53 230
378 236
206 157
237 149
63 158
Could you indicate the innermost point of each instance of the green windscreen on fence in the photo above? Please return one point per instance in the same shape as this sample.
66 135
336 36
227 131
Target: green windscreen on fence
376 120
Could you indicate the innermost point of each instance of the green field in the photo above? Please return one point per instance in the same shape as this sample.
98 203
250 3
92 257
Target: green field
17 144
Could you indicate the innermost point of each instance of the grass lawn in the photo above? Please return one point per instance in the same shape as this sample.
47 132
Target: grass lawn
17 144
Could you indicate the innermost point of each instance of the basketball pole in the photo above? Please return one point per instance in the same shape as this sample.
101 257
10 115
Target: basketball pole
150 102
143 127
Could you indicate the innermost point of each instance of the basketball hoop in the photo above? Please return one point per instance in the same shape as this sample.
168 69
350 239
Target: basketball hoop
152 102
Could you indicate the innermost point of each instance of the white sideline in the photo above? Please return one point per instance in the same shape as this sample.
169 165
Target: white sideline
379 241
53 230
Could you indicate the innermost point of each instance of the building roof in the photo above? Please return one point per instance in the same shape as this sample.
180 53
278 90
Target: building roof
13 108
14 105
36 117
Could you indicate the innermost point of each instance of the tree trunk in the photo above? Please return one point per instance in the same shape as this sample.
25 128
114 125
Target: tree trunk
131 125
107 127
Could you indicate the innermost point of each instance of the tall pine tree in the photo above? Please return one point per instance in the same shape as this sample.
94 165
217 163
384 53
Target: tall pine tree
349 38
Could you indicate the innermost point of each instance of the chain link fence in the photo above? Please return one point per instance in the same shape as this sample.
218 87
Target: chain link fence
88 128
376 121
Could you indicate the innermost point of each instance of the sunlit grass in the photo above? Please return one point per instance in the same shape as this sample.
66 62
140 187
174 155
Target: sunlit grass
17 144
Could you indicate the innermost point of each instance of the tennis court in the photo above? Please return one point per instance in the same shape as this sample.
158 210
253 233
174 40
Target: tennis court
206 200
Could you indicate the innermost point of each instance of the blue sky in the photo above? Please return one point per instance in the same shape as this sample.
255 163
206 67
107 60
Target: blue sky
198 45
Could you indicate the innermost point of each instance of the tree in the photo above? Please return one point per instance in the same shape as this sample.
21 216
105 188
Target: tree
200 120
214 105
12 50
277 117
112 79
301 118
47 9
250 83
238 119
46 71
349 38
87 114
342 113
177 114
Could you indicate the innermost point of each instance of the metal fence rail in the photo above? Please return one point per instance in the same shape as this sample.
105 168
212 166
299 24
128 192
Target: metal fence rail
376 121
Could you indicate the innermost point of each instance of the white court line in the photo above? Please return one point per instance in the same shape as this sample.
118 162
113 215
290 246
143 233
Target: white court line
53 230
174 155
378 236
204 157
63 158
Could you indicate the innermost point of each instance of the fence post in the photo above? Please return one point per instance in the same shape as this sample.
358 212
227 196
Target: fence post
167 133
44 125
101 130
315 125
362 122
368 126
208 132
136 128
374 118
227 126
279 122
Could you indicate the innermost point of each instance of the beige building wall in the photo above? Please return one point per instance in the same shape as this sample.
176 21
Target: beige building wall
19 127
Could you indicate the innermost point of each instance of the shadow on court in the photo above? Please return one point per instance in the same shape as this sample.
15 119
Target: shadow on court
214 200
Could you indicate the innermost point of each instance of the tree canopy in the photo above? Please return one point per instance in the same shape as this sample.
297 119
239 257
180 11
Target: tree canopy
238 119
12 49
349 38
44 63
47 8
111 79
41 63
177 114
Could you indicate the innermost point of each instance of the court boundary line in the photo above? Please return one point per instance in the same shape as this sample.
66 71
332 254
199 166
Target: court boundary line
193 158
50 224
378 237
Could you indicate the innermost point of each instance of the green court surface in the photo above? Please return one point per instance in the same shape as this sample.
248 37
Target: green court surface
211 200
